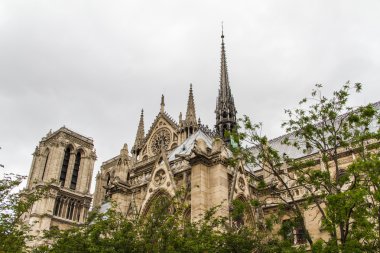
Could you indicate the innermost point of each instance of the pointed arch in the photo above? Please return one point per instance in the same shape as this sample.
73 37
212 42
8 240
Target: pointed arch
108 179
241 214
74 177
187 215
81 150
65 164
160 198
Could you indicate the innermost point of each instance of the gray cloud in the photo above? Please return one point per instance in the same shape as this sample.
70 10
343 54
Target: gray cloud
92 65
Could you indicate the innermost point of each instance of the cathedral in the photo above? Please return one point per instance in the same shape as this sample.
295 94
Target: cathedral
169 157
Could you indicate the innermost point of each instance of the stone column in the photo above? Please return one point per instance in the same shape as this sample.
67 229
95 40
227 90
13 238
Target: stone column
70 170
31 172
82 174
199 190
55 163
90 169
218 189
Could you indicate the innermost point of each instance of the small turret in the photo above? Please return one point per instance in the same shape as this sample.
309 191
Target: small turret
189 125
139 135
191 119
180 119
124 150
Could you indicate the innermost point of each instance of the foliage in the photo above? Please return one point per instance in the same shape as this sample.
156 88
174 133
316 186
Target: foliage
164 229
346 197
13 204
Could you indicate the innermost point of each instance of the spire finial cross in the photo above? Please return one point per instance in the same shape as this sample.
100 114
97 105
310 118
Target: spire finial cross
162 104
222 31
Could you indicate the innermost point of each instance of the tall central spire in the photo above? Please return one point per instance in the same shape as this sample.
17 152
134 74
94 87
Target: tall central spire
225 106
225 90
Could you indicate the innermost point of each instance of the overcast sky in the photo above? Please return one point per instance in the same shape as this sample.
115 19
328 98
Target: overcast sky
93 65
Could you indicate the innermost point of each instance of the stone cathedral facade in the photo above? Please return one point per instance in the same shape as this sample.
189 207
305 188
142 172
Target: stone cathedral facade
177 155
169 157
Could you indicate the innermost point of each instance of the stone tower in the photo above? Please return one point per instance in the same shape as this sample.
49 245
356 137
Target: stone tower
64 160
225 106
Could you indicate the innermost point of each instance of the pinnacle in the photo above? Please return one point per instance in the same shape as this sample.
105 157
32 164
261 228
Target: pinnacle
191 118
140 131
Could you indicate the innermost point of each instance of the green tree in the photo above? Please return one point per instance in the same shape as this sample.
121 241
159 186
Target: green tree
345 197
164 228
13 204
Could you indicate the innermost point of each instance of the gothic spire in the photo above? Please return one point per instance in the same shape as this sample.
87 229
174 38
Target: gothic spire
140 133
225 106
191 119
189 125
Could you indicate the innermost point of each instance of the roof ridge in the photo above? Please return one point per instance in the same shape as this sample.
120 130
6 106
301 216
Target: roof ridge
166 117
375 104
70 132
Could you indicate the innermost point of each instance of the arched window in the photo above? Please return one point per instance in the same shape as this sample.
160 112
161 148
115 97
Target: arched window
241 214
187 215
65 165
159 205
79 209
74 177
70 210
57 205
108 176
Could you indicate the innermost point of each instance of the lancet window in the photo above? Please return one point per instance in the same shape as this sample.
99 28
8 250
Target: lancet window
74 177
67 208
65 165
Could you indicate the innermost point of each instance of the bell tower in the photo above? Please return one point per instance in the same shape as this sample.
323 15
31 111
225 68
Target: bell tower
63 160
225 106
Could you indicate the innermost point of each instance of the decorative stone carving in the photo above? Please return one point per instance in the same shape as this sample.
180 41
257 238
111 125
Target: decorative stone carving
160 138
241 183
200 146
159 177
217 145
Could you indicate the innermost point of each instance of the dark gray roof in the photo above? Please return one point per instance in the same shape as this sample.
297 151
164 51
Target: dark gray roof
293 152
186 147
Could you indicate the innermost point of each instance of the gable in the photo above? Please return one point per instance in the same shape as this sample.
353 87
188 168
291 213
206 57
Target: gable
163 131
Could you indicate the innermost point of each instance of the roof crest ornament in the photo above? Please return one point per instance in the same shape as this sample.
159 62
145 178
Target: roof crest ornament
162 110
222 33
